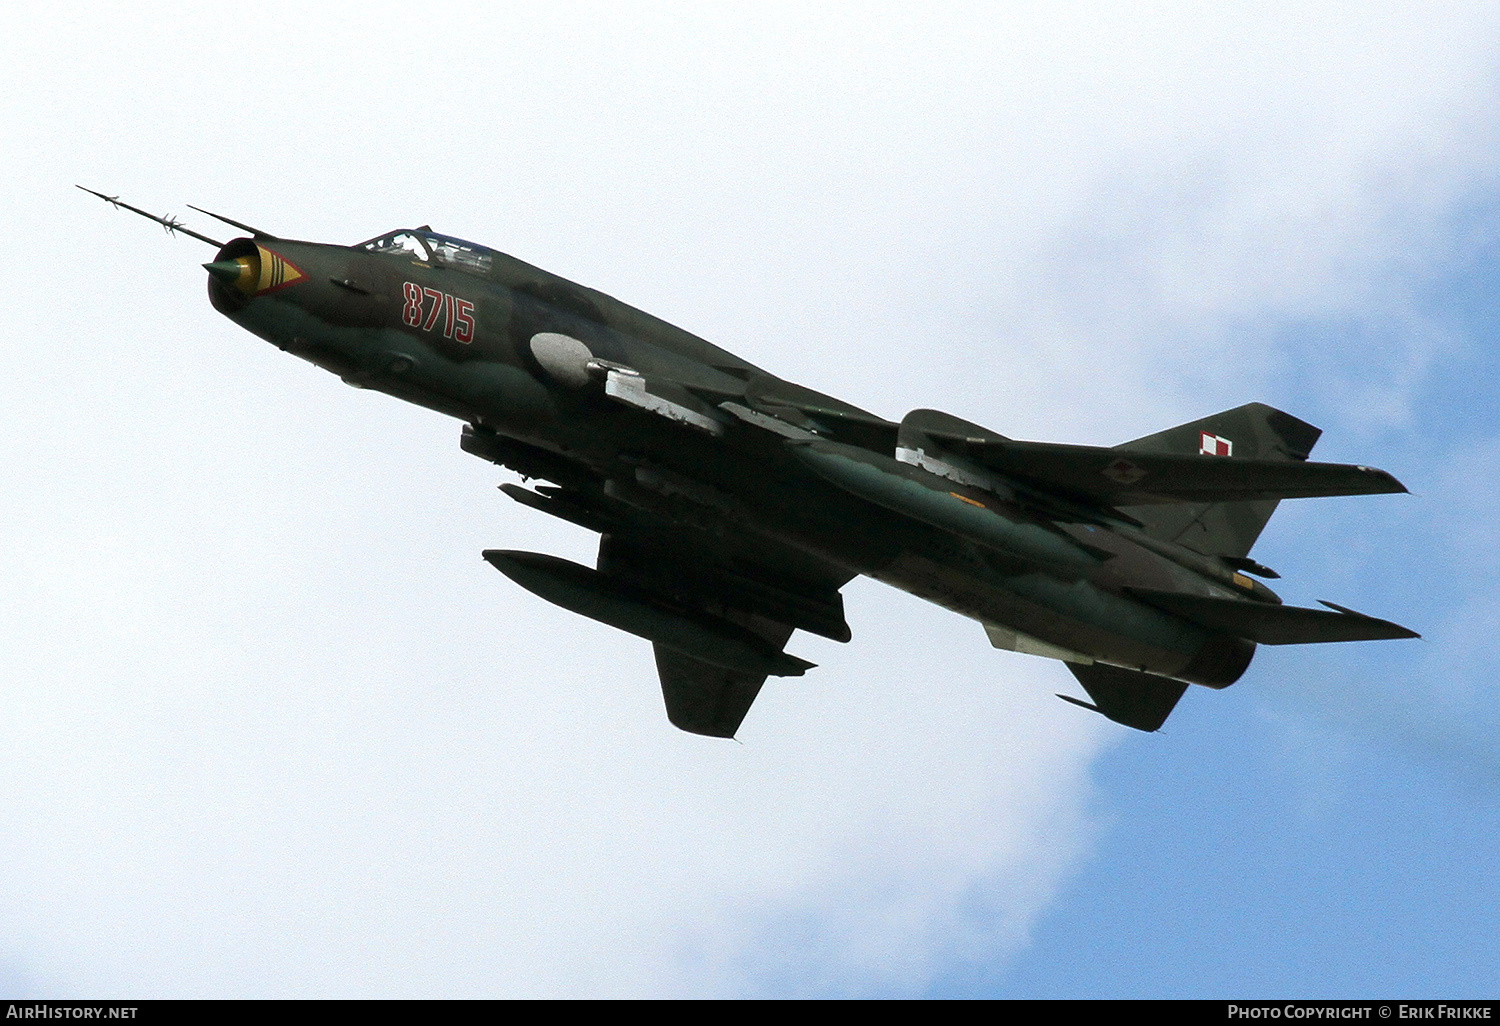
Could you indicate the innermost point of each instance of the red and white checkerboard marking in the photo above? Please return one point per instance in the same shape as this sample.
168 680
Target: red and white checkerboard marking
1214 445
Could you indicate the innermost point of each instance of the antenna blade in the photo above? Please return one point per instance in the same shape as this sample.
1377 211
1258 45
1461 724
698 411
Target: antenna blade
170 223
242 227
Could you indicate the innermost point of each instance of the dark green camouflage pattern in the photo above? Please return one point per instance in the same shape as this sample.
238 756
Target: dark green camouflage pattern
733 505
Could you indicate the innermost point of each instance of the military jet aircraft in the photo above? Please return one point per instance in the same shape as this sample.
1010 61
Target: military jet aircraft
732 505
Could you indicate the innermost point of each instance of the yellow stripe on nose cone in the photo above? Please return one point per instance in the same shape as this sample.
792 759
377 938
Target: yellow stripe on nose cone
276 271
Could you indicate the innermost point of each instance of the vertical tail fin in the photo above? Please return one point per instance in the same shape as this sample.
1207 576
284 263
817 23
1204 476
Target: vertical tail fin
1254 431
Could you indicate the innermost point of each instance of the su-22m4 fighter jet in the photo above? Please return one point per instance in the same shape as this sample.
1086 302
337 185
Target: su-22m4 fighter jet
732 505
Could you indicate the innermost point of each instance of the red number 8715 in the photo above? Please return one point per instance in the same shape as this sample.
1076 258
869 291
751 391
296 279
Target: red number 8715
458 314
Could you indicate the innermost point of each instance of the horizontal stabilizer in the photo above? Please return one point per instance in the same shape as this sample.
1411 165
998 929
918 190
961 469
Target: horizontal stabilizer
1275 625
1132 697
1114 477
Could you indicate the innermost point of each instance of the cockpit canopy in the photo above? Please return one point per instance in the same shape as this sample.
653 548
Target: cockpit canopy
427 246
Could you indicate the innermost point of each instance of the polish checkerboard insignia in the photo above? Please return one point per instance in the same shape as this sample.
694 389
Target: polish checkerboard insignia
1214 445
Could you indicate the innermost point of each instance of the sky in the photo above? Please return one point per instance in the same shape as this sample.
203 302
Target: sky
272 728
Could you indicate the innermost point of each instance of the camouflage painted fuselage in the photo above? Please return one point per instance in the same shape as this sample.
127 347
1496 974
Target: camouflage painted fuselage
732 501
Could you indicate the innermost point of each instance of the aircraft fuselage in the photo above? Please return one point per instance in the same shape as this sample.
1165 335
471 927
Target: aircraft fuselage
462 340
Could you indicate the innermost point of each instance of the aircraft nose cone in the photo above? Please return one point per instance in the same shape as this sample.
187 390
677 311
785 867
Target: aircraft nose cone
242 273
227 271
